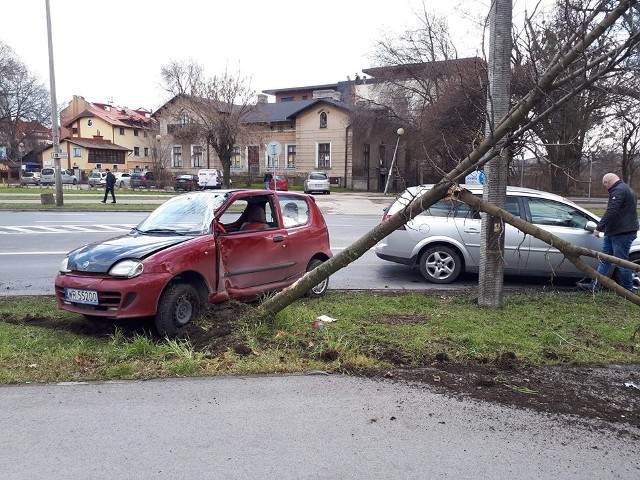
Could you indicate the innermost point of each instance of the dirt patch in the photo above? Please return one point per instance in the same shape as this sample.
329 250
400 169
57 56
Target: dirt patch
608 394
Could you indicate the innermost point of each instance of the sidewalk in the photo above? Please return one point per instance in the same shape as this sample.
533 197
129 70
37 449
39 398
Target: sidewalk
343 203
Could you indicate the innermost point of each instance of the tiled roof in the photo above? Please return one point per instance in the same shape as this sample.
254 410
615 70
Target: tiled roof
283 111
95 143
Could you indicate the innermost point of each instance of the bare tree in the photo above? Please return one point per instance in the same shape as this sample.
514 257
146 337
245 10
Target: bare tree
24 101
603 20
221 107
437 98
586 97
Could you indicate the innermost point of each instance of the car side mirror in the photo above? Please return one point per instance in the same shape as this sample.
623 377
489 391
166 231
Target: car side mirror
590 225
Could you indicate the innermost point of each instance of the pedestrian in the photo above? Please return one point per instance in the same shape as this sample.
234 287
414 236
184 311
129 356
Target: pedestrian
110 180
267 180
619 224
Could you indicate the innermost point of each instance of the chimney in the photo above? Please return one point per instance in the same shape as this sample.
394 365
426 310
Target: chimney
262 98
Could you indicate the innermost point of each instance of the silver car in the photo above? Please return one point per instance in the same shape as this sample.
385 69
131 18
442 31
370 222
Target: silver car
48 177
444 241
317 182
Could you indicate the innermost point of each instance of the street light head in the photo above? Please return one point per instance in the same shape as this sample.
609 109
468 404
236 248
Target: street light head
158 138
400 131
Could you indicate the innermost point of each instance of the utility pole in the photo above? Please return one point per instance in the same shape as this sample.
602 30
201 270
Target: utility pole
54 114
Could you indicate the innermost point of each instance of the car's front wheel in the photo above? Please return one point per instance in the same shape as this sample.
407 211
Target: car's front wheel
321 288
178 305
440 264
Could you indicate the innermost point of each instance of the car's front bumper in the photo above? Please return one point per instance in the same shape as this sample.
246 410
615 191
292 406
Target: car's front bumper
118 298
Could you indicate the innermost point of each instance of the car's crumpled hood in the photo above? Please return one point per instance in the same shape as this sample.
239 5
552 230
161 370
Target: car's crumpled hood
99 257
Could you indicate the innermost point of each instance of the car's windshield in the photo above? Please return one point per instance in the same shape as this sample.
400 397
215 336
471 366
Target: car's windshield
190 214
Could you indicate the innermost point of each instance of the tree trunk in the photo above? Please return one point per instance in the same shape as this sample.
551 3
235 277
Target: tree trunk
491 277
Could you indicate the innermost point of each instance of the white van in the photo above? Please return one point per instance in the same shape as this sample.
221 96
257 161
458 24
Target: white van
209 178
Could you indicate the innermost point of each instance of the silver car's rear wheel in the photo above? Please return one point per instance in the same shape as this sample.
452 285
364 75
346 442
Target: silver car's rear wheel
440 264
635 258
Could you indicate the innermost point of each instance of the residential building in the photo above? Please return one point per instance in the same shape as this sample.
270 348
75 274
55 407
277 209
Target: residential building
96 136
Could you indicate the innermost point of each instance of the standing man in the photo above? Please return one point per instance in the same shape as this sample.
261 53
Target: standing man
619 224
267 180
109 186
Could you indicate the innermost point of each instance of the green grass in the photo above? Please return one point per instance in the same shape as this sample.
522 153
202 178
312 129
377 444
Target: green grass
373 332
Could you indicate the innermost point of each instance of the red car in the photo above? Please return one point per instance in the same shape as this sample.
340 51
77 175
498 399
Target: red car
279 182
204 246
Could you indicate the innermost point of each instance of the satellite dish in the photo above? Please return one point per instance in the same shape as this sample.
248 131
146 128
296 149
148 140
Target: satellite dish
274 148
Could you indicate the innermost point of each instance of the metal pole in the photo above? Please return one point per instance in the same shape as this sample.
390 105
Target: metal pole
54 113
400 132
590 170
522 171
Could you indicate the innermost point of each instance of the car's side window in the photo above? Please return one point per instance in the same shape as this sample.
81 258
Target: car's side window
550 212
249 214
295 211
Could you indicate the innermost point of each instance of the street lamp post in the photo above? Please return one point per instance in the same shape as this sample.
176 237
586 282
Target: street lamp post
400 132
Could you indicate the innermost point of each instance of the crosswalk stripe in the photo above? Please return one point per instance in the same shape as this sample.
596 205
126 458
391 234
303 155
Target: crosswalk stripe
22 229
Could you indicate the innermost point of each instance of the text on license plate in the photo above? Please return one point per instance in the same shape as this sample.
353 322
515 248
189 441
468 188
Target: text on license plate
81 296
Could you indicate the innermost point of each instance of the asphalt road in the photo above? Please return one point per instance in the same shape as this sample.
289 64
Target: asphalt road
290 427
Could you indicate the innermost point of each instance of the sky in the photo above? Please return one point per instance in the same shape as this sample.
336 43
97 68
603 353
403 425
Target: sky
113 51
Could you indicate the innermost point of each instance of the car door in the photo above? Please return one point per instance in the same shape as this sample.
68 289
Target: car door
564 221
252 258
516 243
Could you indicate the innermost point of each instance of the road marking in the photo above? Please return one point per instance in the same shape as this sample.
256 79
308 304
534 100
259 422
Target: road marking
26 229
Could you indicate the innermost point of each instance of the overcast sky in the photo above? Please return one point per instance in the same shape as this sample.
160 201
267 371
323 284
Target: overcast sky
114 50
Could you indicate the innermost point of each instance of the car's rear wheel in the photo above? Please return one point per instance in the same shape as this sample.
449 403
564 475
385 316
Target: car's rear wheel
178 305
440 264
321 288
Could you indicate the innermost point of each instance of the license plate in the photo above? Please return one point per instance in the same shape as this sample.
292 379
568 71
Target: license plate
89 297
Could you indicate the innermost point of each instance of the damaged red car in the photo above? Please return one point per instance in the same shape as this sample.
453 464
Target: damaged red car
197 248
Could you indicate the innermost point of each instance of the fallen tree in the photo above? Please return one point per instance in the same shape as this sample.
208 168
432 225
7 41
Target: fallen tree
513 125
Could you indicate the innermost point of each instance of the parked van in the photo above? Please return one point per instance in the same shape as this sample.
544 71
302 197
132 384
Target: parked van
209 178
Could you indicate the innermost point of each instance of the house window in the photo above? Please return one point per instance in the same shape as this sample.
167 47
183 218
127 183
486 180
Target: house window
135 132
305 97
382 154
74 130
367 157
136 151
176 156
77 152
196 155
323 119
146 151
236 159
291 156
324 155
286 99
121 130
145 134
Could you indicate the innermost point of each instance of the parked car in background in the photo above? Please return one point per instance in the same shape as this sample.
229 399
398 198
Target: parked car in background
186 182
279 182
97 179
210 178
140 179
199 247
122 179
30 178
317 182
444 240
48 177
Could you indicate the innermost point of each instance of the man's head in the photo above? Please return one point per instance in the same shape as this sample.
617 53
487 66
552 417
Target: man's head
107 170
609 179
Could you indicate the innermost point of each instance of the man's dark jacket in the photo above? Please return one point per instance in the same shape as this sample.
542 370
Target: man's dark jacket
110 180
621 215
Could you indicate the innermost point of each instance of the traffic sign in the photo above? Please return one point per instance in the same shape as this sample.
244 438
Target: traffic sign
59 155
274 148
